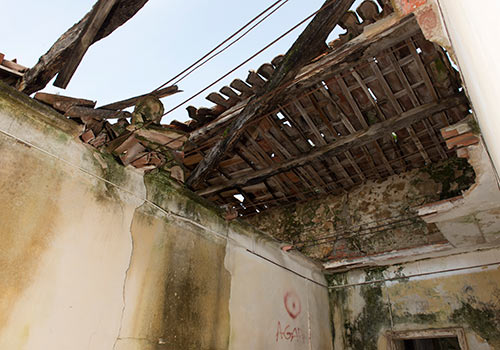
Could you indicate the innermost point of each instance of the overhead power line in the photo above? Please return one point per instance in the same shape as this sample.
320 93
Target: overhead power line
207 57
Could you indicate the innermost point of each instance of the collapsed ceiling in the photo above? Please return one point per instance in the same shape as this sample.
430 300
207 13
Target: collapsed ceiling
368 106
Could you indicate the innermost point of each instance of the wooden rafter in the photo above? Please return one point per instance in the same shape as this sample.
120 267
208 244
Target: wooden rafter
96 19
52 62
308 46
167 91
343 144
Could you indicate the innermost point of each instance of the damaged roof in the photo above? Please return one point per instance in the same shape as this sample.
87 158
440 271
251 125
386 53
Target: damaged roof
370 105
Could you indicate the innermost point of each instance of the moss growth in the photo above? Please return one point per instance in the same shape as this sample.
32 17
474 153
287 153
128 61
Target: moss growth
407 318
439 70
455 175
362 334
484 320
474 126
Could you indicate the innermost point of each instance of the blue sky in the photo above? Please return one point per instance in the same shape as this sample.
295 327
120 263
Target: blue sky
163 38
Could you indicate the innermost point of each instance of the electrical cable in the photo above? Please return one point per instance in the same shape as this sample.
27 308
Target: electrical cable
230 44
249 59
206 57
407 277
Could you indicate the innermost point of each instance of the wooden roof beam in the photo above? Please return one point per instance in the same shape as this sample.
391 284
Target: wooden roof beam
52 62
310 44
167 91
99 13
343 144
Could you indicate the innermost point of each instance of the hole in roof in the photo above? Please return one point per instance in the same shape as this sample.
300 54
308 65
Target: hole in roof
419 50
394 136
280 115
287 123
324 84
239 197
372 94
451 61
310 142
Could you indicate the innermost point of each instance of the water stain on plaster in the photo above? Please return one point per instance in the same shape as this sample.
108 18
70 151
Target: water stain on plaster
28 212
471 301
185 288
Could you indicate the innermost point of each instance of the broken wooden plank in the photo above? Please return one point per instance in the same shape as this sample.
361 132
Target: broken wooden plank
167 91
51 62
309 45
99 13
63 103
100 114
14 66
170 138
379 38
345 143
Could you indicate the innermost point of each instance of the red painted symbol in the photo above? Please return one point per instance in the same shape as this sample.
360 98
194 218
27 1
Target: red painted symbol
292 304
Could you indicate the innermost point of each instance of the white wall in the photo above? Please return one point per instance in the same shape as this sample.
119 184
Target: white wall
475 35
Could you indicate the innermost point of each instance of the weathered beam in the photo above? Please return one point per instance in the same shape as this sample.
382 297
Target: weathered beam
380 36
100 114
309 45
343 144
169 90
63 103
99 13
51 62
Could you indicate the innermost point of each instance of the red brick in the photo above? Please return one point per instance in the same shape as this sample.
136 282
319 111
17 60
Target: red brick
466 139
463 153
87 136
409 6
428 20
449 133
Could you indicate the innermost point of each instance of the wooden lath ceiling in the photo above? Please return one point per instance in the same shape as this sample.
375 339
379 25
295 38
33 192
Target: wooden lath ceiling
292 154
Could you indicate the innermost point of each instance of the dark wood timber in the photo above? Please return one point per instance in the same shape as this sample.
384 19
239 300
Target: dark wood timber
343 144
81 112
169 90
99 13
339 60
309 45
63 103
52 62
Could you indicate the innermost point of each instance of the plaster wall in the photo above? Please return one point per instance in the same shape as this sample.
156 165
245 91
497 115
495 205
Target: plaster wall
373 218
472 28
97 256
366 313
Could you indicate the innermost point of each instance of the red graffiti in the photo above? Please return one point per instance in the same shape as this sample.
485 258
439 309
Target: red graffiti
292 304
289 334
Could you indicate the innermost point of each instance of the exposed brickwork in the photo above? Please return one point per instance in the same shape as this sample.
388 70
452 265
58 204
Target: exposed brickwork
428 20
409 6
462 140
428 17
460 135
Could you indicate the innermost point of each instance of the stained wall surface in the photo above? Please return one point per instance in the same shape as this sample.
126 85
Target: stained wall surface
96 256
366 312
376 217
